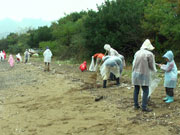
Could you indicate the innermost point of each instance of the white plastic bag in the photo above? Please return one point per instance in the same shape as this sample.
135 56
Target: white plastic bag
154 82
153 86
91 67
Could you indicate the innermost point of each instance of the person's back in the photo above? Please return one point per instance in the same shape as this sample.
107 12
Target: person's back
141 62
112 64
143 65
47 58
113 61
47 55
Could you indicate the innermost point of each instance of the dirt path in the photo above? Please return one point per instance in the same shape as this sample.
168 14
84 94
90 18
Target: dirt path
33 102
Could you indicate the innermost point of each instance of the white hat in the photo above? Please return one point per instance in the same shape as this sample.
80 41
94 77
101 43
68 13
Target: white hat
147 45
107 47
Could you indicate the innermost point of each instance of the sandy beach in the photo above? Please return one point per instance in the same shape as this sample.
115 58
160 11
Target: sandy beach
62 102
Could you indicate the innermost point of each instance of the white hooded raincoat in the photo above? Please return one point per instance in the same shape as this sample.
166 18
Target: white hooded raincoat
47 55
143 65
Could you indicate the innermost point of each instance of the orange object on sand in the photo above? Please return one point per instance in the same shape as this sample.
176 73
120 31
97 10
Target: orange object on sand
83 66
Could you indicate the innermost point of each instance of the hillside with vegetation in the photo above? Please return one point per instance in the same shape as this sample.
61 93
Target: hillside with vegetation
124 24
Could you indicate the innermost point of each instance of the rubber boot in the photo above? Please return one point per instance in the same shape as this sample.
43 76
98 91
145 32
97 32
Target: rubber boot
166 98
104 83
117 81
170 100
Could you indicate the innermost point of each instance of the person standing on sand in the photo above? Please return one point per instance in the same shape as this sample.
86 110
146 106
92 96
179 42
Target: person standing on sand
11 61
1 56
4 55
47 59
143 65
26 56
170 78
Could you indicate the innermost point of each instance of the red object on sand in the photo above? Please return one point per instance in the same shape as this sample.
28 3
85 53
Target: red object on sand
83 66
4 54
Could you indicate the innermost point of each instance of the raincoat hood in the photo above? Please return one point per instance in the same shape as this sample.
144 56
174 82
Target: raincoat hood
147 45
169 55
107 47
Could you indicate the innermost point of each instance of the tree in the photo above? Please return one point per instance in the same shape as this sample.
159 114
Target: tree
117 23
161 24
68 33
41 34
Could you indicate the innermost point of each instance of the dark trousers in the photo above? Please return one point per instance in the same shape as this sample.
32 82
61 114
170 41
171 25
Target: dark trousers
26 60
112 77
144 98
169 92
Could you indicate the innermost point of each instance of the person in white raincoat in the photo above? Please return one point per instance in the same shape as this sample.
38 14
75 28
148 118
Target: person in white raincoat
113 52
112 64
47 58
170 78
143 64
1 56
26 56
18 58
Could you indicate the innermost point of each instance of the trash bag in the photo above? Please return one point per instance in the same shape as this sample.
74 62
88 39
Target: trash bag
92 67
154 82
